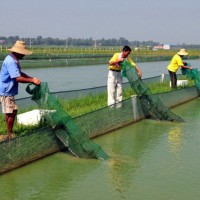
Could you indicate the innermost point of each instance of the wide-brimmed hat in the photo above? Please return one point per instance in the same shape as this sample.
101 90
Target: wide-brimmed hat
182 52
20 47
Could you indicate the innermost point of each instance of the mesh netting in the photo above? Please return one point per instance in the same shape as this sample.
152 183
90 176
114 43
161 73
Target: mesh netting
74 138
192 74
42 141
151 103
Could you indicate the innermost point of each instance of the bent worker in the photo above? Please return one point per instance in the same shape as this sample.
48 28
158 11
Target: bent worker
174 65
10 76
115 79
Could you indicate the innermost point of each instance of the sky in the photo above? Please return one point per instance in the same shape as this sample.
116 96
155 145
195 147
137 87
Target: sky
163 21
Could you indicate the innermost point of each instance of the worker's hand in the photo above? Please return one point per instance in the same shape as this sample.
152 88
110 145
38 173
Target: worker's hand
190 68
140 74
36 81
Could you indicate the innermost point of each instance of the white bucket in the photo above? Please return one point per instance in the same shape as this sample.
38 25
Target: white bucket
181 83
32 117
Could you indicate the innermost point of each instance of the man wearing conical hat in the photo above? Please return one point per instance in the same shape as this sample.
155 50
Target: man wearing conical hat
174 65
10 76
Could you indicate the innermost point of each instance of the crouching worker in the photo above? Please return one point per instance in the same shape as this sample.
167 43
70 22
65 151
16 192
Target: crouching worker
175 63
10 76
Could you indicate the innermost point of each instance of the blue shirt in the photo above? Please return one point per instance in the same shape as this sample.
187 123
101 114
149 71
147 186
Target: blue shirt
9 72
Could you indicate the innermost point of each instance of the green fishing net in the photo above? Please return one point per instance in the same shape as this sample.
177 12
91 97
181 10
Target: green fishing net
192 74
74 138
151 103
61 131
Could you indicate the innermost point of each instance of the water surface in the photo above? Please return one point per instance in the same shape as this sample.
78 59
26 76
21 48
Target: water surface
149 160
82 77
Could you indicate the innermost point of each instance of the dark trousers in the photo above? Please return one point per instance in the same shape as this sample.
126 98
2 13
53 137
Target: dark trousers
173 79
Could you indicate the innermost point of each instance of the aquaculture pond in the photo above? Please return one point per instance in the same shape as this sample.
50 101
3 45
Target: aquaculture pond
82 77
150 160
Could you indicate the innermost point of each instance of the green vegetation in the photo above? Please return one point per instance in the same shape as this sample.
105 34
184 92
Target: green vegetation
56 56
55 52
85 104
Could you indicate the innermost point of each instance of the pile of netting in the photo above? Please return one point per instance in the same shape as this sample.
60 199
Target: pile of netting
75 139
150 102
192 74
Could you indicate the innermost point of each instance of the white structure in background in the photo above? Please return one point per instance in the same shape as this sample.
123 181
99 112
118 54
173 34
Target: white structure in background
157 47
162 78
166 46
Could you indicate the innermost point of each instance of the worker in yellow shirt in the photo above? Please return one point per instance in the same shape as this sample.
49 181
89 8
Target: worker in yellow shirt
174 65
115 80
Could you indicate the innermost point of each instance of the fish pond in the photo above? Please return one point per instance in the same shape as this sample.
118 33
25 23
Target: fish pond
150 160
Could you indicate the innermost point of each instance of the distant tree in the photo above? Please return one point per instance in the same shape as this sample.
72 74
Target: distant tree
39 40
122 41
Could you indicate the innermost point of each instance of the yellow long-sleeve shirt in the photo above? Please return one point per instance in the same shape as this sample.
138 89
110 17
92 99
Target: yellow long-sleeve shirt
175 63
116 66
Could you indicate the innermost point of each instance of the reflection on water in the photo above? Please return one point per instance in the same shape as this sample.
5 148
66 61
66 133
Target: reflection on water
175 139
149 160
119 173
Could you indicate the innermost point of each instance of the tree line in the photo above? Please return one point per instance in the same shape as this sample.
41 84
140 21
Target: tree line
88 42
39 40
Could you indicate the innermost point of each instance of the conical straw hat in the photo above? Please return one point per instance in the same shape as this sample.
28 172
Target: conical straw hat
182 52
20 48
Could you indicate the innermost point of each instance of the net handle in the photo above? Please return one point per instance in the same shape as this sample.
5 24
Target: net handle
31 88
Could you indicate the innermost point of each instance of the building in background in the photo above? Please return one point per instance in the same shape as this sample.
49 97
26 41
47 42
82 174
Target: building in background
164 46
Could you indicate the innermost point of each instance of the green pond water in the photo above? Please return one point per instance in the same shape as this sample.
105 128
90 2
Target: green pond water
150 160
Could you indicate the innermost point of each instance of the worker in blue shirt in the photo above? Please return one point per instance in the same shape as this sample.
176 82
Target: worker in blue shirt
10 76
